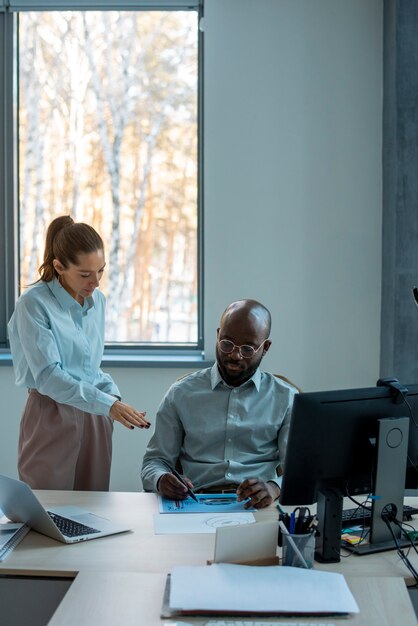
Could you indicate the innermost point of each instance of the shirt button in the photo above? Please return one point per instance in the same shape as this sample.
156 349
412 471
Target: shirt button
228 474
229 439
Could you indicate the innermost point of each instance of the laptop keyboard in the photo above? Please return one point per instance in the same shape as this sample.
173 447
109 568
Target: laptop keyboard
363 516
69 527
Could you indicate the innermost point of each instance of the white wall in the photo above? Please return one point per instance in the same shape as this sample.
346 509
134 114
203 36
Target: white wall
293 116
141 387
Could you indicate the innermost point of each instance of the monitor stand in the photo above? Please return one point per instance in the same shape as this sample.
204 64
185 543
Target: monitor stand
389 485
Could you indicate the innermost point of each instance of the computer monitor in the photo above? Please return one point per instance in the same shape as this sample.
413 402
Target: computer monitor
352 442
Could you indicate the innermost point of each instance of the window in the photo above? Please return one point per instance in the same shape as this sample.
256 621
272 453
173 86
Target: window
103 107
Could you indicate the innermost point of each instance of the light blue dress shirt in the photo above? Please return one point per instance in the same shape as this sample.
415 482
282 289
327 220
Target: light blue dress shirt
220 434
57 347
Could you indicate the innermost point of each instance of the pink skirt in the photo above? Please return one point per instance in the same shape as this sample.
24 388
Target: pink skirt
62 447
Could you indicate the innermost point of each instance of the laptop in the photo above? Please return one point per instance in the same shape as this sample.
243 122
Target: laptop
68 524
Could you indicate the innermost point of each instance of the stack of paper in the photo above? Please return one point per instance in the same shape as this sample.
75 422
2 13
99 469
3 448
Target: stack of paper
270 590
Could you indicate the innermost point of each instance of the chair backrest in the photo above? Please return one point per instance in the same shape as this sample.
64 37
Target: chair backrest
288 381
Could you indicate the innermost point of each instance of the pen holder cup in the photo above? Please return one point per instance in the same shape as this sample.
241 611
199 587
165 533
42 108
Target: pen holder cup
298 550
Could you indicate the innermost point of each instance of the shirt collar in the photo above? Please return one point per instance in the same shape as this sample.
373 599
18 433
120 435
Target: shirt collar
66 301
217 379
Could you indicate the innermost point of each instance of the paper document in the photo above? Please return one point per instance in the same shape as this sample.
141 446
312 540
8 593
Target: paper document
207 503
10 536
243 589
246 543
198 522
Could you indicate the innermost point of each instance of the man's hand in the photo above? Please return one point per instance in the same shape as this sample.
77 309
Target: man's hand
170 487
261 494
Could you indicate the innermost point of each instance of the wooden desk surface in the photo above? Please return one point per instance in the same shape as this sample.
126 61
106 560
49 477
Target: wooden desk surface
382 602
143 551
137 551
123 575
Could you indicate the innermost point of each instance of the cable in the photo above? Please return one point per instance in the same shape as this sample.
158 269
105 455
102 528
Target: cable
359 504
365 531
411 415
401 526
410 410
399 550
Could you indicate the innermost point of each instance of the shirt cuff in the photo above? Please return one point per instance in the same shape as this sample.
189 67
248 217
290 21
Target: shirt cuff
157 479
105 403
277 481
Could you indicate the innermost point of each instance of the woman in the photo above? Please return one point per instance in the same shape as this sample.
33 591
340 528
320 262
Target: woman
57 339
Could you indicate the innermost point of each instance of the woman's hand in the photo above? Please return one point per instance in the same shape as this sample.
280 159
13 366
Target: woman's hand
128 416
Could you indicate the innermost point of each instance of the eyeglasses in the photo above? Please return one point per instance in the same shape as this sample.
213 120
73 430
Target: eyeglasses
247 352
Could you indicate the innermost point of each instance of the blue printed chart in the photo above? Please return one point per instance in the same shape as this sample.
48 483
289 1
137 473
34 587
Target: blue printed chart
207 503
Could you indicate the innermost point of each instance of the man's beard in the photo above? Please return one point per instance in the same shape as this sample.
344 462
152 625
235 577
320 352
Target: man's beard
240 376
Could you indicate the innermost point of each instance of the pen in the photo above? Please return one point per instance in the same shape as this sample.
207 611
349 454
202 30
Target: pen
181 479
294 546
292 523
279 508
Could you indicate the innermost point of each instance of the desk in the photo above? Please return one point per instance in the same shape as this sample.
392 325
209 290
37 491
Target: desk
120 579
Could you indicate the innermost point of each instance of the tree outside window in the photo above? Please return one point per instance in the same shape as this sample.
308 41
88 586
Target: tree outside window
108 133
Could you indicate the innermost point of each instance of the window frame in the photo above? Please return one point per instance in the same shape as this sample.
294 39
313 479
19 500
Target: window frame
115 354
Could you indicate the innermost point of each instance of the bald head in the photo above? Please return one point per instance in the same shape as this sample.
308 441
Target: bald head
250 311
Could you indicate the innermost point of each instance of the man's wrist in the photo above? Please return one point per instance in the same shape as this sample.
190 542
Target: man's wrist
275 489
157 484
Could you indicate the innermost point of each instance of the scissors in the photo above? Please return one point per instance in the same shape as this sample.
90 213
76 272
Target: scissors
303 518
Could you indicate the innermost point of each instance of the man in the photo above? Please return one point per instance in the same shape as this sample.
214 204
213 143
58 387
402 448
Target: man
226 425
